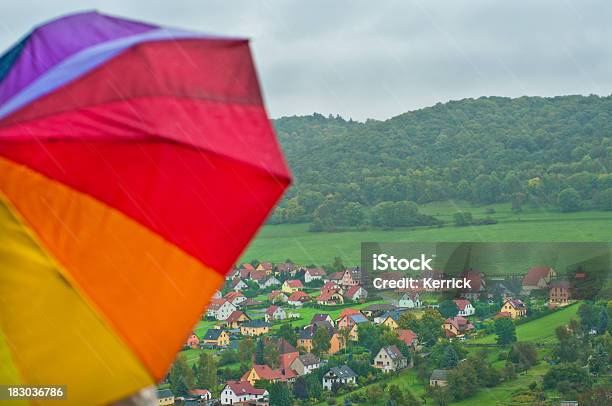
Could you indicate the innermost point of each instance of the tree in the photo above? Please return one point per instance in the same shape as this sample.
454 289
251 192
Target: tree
450 359
569 200
271 356
206 371
287 332
461 381
576 376
300 388
523 354
374 393
181 377
448 309
314 385
280 395
259 353
246 348
462 218
321 341
505 330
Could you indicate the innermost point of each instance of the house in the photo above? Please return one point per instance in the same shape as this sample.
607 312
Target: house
193 341
287 353
515 308
216 337
308 332
284 268
559 293
235 298
353 322
254 328
356 293
298 298
330 299
408 336
220 309
439 377
478 284
291 286
457 327
322 317
390 359
305 364
538 277
258 276
266 267
350 277
238 285
410 300
248 267
268 282
276 296
391 320
217 295
259 372
313 274
236 319
275 313
240 391
201 394
339 376
250 302
464 307
164 397
331 287
377 309
334 277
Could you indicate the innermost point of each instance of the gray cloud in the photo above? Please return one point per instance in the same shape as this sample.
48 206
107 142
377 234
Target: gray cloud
365 59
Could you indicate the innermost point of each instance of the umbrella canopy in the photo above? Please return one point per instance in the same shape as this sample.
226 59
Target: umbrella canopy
136 163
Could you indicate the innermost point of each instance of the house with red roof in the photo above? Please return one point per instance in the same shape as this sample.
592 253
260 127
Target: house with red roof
201 394
464 307
330 299
266 267
457 327
331 286
236 298
193 341
241 391
258 372
313 274
258 276
275 313
248 266
238 284
276 296
334 277
220 309
514 308
408 336
356 293
478 284
298 298
350 277
559 293
538 277
236 319
292 285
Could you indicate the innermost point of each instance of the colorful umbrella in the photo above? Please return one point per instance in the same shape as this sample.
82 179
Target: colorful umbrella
136 163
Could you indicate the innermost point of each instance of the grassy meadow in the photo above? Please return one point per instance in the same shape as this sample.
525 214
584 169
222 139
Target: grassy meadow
277 243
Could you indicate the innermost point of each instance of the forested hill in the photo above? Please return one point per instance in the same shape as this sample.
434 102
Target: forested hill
548 151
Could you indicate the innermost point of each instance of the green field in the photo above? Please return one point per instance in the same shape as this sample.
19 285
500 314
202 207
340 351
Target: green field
541 330
277 243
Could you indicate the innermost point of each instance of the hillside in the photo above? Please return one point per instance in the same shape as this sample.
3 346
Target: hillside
488 150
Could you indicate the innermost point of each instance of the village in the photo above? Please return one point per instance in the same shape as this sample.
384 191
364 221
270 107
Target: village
285 331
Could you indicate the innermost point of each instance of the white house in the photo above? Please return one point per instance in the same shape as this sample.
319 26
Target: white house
220 309
342 376
390 359
465 307
275 313
239 285
268 282
410 301
305 364
313 274
356 293
236 298
240 391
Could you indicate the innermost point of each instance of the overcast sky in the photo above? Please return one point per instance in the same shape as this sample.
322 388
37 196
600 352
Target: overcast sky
377 59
